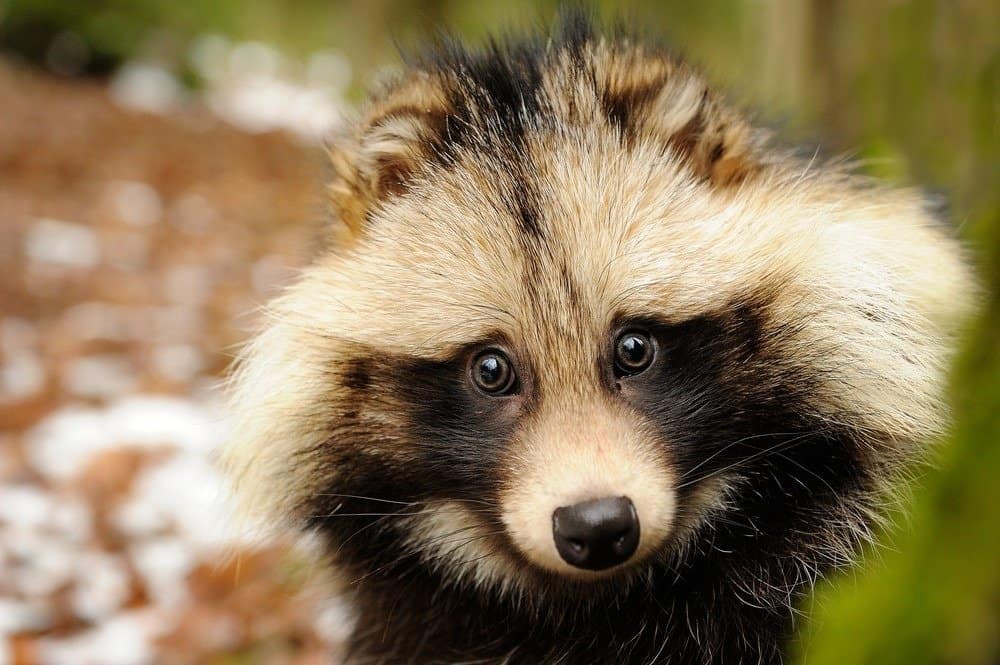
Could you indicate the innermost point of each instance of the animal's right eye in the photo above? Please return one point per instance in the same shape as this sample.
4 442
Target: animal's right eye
634 353
493 373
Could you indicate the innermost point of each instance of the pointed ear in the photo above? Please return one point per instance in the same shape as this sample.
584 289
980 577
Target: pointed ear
719 144
659 98
385 151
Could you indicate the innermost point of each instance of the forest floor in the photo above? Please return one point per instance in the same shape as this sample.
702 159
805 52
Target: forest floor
135 250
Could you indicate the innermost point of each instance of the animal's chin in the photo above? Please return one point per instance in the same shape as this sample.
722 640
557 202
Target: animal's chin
572 592
602 583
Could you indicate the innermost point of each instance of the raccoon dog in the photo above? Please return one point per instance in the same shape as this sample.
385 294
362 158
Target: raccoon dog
594 373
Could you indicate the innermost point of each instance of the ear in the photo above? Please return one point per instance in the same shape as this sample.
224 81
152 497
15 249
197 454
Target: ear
718 143
385 151
666 101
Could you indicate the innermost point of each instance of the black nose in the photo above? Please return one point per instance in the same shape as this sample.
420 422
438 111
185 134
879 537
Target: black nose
596 534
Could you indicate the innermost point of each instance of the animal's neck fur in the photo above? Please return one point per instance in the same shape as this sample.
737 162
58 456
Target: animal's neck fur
690 617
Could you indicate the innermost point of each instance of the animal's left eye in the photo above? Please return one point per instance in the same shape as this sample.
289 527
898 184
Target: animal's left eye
493 374
634 353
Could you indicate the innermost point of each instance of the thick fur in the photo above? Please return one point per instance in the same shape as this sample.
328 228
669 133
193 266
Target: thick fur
540 196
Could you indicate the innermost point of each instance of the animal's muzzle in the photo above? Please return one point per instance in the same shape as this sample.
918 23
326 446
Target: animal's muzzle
596 534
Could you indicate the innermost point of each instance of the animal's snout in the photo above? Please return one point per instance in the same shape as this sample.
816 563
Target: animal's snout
596 534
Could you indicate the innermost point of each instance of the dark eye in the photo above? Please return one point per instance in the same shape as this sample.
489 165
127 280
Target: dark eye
634 352
492 373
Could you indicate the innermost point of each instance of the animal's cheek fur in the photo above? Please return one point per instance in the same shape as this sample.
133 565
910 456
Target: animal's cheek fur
572 455
459 544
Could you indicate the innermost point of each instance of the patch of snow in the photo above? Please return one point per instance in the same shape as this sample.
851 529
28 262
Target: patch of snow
328 69
145 86
255 104
187 493
249 58
208 56
139 519
38 562
254 87
135 203
250 85
334 621
61 445
62 243
102 586
164 565
125 639
103 376
25 506
21 377
312 114
72 520
21 616
178 362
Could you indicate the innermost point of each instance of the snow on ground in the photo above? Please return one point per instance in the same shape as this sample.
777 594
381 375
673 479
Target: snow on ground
64 442
124 508
127 283
62 243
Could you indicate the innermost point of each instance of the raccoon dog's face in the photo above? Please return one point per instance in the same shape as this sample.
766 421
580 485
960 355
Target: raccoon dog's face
583 324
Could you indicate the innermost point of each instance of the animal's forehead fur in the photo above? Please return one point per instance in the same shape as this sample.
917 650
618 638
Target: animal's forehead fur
534 189
613 233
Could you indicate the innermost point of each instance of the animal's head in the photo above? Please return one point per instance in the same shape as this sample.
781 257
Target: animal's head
587 323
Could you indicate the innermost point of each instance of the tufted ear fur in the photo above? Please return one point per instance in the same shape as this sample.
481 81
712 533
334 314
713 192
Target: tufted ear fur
717 142
665 100
384 151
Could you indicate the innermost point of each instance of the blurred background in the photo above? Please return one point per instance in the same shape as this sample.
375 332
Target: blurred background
161 176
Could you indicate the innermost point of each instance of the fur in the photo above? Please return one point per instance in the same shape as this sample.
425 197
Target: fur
538 196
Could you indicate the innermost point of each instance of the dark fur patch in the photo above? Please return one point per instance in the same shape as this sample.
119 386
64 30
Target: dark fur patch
430 420
685 140
622 106
730 398
526 211
569 283
358 375
489 93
